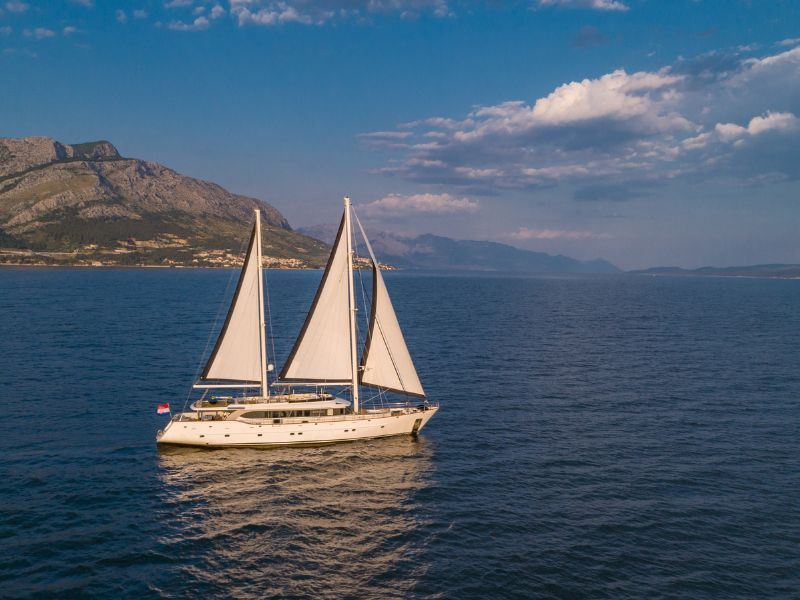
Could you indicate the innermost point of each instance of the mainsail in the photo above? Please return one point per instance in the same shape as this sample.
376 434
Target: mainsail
386 363
237 355
321 353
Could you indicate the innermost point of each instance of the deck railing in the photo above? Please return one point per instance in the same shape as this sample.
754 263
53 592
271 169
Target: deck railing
376 413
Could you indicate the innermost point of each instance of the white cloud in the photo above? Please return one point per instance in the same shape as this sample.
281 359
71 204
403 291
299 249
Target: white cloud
609 5
789 42
69 30
306 12
616 96
198 24
139 14
178 3
682 119
39 33
121 16
6 30
17 6
790 56
217 11
86 3
427 204
525 234
772 121
386 135
277 14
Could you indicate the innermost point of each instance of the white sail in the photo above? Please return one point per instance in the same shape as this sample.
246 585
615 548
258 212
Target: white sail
237 354
386 362
322 350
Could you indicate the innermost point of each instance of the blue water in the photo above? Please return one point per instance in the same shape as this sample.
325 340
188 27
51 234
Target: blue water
600 437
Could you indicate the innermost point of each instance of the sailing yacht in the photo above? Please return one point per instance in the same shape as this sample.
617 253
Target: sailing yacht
319 388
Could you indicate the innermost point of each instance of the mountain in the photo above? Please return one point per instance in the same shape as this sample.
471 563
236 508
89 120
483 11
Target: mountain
435 252
86 204
779 271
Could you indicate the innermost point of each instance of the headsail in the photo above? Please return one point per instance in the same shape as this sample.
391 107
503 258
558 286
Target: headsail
386 362
321 352
237 354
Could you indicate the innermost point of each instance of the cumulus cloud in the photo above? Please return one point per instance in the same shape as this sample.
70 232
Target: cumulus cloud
122 16
140 14
178 3
217 11
198 24
426 204
6 30
16 6
689 118
779 121
69 30
612 5
40 33
279 12
525 234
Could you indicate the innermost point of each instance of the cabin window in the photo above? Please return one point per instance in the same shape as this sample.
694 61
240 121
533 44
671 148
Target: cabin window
255 415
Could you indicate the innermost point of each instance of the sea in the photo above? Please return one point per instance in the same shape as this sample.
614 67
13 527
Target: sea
613 436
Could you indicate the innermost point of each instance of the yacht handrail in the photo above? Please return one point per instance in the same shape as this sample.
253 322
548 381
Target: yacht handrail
386 411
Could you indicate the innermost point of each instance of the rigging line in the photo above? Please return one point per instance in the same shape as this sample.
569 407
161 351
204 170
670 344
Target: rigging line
381 394
376 274
364 303
269 320
220 307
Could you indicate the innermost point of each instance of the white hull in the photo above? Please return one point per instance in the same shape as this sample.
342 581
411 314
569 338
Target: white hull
294 432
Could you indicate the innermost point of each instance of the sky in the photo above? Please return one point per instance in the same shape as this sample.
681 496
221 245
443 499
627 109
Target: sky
646 132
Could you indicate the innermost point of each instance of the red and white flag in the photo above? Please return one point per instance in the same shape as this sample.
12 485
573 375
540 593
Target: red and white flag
163 409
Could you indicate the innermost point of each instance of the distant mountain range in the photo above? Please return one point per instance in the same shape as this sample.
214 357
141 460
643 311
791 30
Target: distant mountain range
84 204
775 271
435 252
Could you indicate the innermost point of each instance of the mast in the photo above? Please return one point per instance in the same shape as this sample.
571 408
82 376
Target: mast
261 323
348 230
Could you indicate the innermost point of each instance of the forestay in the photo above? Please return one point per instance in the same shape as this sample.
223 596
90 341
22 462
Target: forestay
386 362
321 353
237 354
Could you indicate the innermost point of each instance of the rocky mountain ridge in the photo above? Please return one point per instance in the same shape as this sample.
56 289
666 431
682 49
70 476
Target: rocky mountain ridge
85 204
434 252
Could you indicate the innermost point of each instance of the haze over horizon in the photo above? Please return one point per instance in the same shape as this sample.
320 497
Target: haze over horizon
641 132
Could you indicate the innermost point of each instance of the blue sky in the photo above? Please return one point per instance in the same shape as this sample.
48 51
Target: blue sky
646 132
